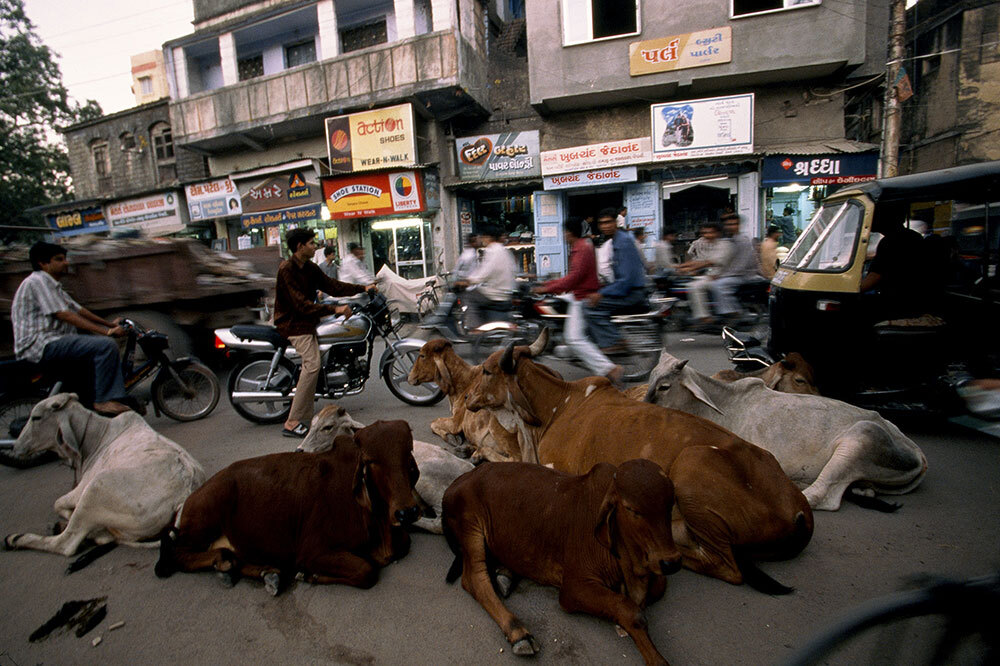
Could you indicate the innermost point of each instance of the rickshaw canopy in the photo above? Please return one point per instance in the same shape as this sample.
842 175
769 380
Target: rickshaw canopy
973 183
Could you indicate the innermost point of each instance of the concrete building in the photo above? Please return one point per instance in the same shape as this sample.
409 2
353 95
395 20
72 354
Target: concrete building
149 77
954 66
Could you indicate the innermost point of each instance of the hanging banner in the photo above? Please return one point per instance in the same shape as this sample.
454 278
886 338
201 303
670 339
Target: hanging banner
591 178
283 198
498 156
378 139
703 127
76 222
596 156
692 49
371 195
155 214
214 199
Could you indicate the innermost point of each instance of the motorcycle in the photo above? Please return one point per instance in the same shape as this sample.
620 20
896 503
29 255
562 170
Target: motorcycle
182 389
673 291
262 384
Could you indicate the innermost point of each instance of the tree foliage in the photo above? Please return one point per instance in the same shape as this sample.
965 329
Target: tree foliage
34 167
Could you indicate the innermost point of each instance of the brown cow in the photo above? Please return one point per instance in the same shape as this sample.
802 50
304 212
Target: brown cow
792 374
335 517
439 363
733 502
602 538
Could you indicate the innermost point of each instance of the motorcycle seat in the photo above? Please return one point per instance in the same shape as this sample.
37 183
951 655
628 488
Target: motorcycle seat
638 308
260 332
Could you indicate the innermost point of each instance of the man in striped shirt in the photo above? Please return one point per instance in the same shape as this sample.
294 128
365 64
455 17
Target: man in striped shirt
46 324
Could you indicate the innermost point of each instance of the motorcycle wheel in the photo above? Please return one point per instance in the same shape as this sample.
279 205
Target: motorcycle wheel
14 413
487 343
193 401
250 375
396 375
644 344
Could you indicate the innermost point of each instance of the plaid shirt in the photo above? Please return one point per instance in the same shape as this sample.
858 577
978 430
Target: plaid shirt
36 301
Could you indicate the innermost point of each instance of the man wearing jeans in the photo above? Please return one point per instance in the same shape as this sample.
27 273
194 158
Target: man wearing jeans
296 314
46 321
581 281
626 283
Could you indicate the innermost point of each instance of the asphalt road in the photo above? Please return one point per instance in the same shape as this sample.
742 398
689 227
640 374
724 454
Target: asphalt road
949 526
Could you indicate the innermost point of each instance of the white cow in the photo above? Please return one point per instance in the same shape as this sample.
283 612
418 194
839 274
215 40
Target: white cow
438 468
823 445
129 479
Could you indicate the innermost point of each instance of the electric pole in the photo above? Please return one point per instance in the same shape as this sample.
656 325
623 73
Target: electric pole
893 106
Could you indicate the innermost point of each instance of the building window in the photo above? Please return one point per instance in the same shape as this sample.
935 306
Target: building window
145 85
300 54
250 68
363 36
590 20
747 7
129 153
163 150
102 164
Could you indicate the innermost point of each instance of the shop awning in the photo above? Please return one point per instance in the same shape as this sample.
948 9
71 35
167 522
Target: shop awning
817 147
493 184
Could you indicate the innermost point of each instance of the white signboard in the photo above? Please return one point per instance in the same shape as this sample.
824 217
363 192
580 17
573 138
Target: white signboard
627 174
703 127
596 156
154 214
216 198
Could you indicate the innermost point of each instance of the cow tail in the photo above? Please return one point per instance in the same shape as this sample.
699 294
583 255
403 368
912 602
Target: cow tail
757 579
166 566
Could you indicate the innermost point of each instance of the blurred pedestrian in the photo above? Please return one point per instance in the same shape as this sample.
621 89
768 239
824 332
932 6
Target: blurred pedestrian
354 269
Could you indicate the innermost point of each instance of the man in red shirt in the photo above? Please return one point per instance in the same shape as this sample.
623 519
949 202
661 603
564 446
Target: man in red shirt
296 314
582 281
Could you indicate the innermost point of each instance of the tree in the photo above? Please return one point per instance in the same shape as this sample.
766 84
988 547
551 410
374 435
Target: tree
34 166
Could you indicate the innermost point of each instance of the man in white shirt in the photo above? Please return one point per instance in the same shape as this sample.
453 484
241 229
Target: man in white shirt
713 257
469 259
353 268
494 282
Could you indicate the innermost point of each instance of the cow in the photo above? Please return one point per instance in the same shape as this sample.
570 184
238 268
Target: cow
129 480
439 363
733 502
602 538
332 517
824 445
438 468
792 374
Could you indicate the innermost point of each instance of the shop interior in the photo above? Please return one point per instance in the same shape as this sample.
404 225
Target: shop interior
512 213
800 200
686 210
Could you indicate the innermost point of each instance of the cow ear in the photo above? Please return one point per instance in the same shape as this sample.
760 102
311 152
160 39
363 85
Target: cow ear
772 380
605 529
444 377
62 400
66 442
696 391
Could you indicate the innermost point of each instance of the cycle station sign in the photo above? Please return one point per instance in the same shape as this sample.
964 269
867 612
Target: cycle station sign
370 195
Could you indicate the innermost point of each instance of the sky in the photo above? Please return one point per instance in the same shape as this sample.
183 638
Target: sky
95 40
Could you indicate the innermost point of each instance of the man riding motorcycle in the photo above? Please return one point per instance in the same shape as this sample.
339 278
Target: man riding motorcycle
620 265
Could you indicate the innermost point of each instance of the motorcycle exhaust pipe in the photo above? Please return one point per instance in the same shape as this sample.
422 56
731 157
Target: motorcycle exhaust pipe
260 396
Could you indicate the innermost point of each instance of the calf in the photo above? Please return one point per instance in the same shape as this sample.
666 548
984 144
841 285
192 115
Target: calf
602 538
331 516
792 374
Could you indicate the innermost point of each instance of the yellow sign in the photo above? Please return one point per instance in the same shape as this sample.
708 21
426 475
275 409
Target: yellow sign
693 49
378 139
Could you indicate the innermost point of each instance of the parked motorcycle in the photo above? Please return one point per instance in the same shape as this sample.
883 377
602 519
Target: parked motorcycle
752 295
184 389
262 385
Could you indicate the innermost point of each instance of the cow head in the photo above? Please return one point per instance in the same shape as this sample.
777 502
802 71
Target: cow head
670 374
390 472
431 366
498 386
634 519
50 428
329 423
792 374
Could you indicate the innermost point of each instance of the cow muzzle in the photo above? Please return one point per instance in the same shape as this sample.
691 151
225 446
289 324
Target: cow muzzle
668 567
407 515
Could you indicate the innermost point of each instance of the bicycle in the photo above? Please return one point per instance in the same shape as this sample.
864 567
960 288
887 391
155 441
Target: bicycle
430 296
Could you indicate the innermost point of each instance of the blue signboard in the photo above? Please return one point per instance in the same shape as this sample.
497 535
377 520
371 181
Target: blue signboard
270 218
830 169
75 222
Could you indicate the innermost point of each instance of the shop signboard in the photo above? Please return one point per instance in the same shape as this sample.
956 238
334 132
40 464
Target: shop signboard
596 156
692 49
154 214
498 156
368 140
830 169
627 174
703 127
75 222
371 195
214 199
283 198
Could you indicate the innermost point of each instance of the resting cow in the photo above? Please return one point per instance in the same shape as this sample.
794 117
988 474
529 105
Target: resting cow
792 374
438 468
734 503
334 517
824 445
602 538
439 363
129 480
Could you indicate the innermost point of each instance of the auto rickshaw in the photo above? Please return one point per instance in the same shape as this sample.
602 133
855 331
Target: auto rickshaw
868 356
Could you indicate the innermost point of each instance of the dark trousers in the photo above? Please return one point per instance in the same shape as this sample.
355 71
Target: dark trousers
602 330
98 352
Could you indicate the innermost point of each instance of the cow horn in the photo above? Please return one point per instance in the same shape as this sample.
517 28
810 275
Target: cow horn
541 342
507 360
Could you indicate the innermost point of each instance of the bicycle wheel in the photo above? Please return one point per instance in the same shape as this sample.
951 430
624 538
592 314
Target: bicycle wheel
644 344
250 375
426 304
190 394
396 377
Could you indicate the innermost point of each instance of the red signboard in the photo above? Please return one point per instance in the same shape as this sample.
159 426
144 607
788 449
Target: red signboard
374 194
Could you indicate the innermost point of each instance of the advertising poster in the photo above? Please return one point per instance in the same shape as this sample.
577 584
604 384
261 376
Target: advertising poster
703 127
280 199
692 49
214 199
154 214
498 156
370 195
76 222
596 156
368 140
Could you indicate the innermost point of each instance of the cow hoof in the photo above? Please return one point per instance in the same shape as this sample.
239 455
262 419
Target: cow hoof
226 578
505 584
526 647
58 527
10 542
272 583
